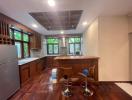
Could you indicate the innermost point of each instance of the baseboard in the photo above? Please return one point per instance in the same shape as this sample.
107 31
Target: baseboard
115 82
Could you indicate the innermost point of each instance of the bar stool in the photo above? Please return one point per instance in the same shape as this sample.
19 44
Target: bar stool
65 78
86 91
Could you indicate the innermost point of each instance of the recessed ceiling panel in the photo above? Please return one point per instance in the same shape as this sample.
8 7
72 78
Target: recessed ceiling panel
60 20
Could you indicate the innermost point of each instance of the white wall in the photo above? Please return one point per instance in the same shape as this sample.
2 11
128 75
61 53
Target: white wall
130 45
90 40
113 49
109 40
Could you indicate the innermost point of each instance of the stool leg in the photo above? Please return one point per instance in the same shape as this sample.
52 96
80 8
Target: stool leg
67 91
86 91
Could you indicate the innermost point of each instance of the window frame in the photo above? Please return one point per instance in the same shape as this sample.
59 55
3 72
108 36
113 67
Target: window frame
21 41
52 46
74 45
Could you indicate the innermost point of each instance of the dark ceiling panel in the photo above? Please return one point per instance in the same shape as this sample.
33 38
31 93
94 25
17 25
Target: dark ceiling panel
60 20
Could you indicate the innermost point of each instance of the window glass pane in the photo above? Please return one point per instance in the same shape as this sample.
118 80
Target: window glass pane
17 35
26 53
71 47
11 33
76 40
52 40
18 45
55 41
77 47
50 49
49 41
25 38
56 49
71 40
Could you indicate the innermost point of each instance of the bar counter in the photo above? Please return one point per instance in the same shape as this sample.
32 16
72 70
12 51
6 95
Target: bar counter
75 57
78 63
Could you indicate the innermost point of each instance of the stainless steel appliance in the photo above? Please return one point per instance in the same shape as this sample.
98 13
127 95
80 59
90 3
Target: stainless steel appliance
9 71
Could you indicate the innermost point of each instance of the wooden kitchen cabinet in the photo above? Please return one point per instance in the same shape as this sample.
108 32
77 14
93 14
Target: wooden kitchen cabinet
33 69
50 63
35 41
41 65
24 74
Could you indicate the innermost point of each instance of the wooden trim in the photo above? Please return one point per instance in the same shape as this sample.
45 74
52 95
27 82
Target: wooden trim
21 41
5 23
115 81
13 22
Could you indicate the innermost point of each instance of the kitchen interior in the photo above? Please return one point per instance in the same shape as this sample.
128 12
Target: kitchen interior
36 42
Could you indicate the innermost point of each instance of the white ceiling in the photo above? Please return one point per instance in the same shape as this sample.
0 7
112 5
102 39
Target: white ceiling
19 9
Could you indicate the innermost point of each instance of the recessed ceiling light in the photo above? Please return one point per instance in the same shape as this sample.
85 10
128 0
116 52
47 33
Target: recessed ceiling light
51 3
84 23
62 32
34 25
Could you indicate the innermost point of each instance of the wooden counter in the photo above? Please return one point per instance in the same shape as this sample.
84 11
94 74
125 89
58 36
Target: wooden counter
74 57
78 63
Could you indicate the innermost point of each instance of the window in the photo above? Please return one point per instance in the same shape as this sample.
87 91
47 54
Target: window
52 46
17 35
26 53
19 52
21 40
74 45
25 38
11 33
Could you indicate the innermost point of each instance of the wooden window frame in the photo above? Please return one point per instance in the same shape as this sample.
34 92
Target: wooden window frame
73 44
21 41
53 48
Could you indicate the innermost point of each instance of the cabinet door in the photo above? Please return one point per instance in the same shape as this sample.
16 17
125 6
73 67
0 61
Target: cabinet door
36 41
24 73
33 69
40 66
49 62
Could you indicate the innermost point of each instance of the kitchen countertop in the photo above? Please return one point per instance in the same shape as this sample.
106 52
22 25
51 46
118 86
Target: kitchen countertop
26 60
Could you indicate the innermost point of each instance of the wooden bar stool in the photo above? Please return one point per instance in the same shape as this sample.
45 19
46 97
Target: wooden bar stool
85 74
66 77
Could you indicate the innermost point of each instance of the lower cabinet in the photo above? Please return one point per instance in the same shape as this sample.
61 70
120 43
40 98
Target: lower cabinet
50 63
31 70
40 67
24 74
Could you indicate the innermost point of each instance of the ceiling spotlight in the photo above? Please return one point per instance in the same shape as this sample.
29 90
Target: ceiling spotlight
85 23
62 32
51 3
34 25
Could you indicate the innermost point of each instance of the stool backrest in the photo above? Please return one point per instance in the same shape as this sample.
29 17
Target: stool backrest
66 71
